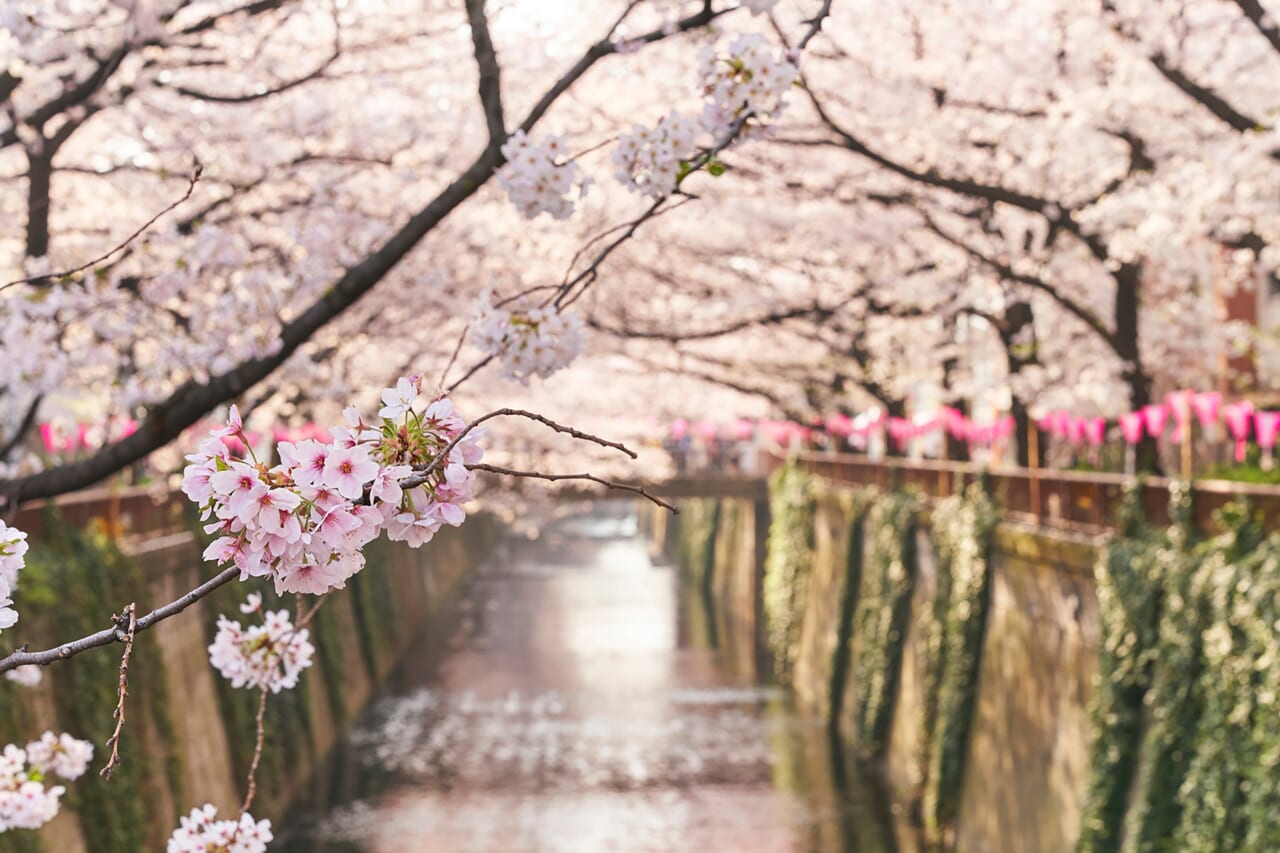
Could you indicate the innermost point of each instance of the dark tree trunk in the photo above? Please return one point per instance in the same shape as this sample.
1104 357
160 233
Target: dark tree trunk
39 177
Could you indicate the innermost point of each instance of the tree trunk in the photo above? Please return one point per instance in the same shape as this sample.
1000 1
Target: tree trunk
39 177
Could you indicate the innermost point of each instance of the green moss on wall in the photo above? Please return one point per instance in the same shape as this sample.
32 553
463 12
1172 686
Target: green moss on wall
1129 591
842 656
375 605
1187 735
788 562
327 636
71 575
696 540
883 611
962 529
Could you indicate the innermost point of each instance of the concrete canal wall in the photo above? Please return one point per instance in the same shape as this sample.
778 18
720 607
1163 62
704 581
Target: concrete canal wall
868 603
189 736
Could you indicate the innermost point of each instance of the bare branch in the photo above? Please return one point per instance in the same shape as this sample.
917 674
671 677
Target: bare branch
115 634
251 786
23 427
626 487
422 476
490 76
1265 23
195 178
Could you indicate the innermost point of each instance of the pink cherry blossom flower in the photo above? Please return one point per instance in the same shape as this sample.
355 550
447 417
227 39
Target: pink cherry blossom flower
348 470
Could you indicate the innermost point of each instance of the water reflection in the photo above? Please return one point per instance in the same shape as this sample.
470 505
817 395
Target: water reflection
578 709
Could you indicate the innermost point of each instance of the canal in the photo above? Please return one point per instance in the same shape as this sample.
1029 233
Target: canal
582 702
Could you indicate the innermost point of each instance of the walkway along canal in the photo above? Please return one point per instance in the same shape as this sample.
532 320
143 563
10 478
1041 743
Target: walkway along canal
583 703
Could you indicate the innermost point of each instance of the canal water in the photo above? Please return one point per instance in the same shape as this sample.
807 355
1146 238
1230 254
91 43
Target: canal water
584 703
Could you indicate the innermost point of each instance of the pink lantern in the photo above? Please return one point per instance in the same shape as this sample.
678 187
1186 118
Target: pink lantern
1206 406
1095 431
1179 404
47 435
1155 416
707 430
840 424
1131 427
1238 416
743 429
1075 431
1265 425
679 428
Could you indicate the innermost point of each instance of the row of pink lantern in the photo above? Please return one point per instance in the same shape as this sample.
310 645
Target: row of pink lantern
1179 407
60 438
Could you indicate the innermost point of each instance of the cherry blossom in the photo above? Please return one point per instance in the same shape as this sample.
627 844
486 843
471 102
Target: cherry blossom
25 801
200 832
13 549
27 676
538 341
304 521
538 177
749 80
649 159
266 656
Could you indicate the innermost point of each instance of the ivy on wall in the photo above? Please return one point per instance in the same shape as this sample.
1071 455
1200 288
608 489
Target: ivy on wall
961 528
1185 714
696 539
843 654
1128 577
883 612
788 561
69 576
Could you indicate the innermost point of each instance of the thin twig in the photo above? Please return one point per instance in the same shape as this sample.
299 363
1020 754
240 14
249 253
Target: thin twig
127 620
471 371
444 374
252 784
195 178
422 476
626 487
302 621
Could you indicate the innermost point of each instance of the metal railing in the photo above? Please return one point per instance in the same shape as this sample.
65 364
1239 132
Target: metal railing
1087 502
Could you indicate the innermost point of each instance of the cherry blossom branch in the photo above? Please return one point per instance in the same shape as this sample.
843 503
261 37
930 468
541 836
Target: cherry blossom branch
117 634
191 186
167 419
583 280
611 484
127 618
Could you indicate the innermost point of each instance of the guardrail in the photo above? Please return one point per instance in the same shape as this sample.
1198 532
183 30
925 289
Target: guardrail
1087 502
127 513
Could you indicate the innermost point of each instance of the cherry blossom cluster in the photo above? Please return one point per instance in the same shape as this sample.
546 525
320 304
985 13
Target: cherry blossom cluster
749 80
25 802
538 341
269 656
304 521
538 177
27 675
199 832
13 549
649 159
